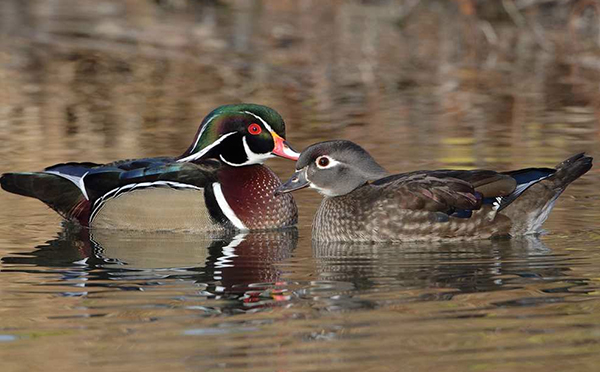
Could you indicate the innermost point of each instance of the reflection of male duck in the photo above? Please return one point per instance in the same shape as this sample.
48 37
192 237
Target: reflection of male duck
227 262
229 266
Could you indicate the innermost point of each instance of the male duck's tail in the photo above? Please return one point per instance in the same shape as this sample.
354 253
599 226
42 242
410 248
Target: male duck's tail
59 193
529 211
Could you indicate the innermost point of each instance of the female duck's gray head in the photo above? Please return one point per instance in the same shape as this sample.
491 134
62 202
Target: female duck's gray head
333 168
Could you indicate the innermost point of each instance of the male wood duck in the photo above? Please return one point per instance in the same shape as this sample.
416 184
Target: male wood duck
363 203
218 183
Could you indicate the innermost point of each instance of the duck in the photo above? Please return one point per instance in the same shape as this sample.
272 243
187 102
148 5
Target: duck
364 203
218 183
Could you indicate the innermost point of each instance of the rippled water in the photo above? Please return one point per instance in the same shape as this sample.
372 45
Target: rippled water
105 80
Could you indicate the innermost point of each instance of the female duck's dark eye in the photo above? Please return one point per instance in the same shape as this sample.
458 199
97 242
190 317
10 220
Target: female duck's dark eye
323 161
254 129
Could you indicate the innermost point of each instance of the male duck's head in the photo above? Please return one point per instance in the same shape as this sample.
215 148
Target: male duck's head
239 135
333 168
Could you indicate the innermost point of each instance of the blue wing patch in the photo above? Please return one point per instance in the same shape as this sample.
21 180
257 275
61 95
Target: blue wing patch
525 178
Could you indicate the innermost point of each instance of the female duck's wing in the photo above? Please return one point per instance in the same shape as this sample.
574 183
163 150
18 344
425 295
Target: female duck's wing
430 191
458 192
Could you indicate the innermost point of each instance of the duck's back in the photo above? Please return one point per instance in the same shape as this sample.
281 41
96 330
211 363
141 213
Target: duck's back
160 194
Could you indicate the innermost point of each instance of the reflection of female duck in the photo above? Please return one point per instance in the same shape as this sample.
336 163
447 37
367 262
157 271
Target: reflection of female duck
467 266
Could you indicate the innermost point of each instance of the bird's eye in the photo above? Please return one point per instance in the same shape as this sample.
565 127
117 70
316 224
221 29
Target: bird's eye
322 161
254 129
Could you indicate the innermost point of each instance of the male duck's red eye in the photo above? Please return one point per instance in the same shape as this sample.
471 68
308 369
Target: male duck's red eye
254 129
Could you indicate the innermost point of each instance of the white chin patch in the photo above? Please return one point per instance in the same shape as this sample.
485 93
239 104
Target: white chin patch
254 158
322 191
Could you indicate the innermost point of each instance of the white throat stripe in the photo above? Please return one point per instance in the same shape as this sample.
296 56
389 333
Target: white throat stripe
253 158
226 209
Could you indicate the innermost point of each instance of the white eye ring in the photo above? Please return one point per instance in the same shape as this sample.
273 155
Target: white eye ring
324 162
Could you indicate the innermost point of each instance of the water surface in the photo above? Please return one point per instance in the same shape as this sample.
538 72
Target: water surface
105 80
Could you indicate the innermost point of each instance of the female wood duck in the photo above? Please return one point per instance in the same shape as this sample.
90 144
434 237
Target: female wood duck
363 203
218 183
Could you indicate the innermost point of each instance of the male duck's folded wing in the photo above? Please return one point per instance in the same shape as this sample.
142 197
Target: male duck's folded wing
101 180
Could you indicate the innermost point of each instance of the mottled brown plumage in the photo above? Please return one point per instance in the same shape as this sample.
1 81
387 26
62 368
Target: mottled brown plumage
425 205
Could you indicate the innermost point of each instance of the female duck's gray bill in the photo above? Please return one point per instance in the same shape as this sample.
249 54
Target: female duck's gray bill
296 182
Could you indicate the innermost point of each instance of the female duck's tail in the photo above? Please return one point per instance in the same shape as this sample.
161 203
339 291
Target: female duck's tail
570 170
529 211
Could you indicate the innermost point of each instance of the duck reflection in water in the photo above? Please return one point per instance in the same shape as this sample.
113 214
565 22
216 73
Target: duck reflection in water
241 269
438 271
233 274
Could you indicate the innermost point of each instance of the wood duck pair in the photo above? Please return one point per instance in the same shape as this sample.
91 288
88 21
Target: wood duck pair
218 183
364 203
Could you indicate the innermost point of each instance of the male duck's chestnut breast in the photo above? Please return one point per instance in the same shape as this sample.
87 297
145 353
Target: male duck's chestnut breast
250 192
155 209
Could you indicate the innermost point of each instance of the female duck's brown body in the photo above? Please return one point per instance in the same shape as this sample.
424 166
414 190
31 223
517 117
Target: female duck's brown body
362 203
344 218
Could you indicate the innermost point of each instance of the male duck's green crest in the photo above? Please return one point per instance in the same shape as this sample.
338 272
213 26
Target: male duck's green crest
240 135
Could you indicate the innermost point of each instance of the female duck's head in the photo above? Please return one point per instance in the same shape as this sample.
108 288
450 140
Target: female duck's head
240 135
333 168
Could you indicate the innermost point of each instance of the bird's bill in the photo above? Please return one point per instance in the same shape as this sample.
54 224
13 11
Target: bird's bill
296 182
282 149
